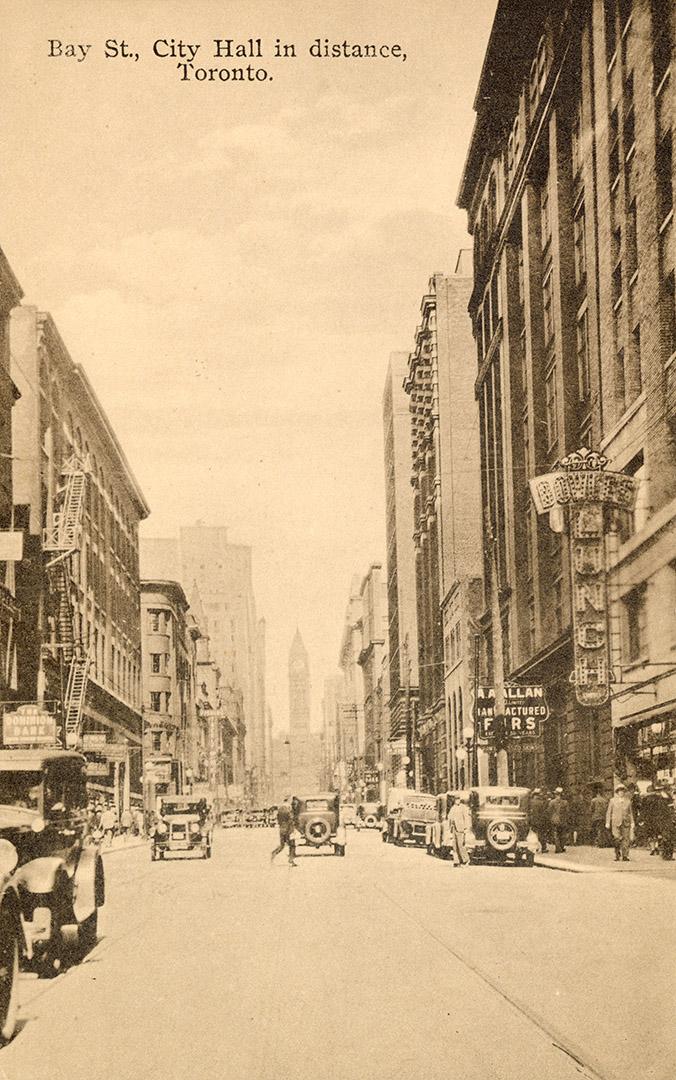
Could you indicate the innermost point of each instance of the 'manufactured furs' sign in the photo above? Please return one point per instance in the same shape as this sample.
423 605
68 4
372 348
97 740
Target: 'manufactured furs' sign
525 709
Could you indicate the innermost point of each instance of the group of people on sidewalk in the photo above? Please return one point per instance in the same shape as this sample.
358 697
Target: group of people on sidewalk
617 821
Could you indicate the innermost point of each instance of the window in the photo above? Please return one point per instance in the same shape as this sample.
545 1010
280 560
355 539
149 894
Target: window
668 317
155 701
636 361
551 409
495 303
620 383
636 639
630 240
580 244
583 368
557 590
155 662
157 741
154 621
629 132
663 169
662 39
545 219
614 147
576 140
548 308
611 32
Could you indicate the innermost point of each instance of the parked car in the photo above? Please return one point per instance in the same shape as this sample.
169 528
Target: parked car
12 941
349 815
183 823
501 831
370 814
438 839
59 876
318 820
229 819
408 814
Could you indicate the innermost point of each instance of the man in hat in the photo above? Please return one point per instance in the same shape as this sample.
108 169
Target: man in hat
620 822
460 824
286 829
558 820
599 809
538 817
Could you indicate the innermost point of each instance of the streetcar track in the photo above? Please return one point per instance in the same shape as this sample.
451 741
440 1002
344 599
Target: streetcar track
585 1063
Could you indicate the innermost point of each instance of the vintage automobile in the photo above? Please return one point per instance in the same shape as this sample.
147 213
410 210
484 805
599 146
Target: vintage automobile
230 819
183 823
370 814
12 941
438 840
59 876
501 831
408 814
318 820
349 815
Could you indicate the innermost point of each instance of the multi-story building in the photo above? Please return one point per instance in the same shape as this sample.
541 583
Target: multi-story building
351 734
168 650
330 727
447 505
203 556
10 553
304 774
79 587
570 202
401 588
374 635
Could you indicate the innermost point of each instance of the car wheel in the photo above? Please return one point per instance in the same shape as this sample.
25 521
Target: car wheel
88 934
9 975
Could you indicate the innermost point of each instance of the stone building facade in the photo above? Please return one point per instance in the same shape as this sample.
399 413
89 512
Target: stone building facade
89 603
568 185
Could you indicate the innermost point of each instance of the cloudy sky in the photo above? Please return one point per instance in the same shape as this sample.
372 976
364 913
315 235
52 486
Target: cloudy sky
232 262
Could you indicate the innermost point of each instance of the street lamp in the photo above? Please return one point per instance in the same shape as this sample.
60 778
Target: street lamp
468 736
460 758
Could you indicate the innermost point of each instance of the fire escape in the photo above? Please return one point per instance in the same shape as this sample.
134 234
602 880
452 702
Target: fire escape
61 541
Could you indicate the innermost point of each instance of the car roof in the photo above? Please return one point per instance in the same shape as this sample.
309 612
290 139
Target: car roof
505 789
318 795
34 759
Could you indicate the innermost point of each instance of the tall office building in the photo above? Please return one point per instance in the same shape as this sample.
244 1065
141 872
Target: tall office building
303 778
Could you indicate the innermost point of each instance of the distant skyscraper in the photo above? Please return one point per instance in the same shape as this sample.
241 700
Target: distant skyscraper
303 777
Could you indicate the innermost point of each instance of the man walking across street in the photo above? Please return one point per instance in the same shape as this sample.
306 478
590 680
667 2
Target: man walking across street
620 821
558 820
599 808
460 824
286 828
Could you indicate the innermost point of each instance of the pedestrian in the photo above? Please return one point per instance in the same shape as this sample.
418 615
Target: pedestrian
125 822
557 813
620 822
460 823
598 810
108 823
286 826
651 818
538 817
576 822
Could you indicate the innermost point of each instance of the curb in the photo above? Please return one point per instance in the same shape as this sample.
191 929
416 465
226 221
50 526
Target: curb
571 868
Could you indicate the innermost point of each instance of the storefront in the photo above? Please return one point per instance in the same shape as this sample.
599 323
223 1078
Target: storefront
645 749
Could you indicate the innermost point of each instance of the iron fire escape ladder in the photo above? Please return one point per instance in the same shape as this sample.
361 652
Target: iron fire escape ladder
75 696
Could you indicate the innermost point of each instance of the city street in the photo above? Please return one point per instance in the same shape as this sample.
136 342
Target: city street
384 964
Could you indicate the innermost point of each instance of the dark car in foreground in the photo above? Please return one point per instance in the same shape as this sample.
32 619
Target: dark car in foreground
59 878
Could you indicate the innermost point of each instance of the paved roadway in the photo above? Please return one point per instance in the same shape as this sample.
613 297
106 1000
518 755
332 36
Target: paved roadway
384 965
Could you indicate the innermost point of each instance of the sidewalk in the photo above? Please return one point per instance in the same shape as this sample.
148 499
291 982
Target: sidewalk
591 860
120 843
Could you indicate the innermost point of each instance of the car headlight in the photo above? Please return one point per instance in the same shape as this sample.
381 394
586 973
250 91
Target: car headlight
160 827
194 827
8 857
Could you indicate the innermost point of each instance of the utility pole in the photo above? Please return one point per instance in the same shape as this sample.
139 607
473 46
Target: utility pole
474 777
498 659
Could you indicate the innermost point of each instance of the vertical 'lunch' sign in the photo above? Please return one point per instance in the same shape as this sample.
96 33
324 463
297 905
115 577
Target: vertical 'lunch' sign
581 484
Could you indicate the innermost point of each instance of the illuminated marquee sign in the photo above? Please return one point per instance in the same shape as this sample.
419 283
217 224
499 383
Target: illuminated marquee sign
582 486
